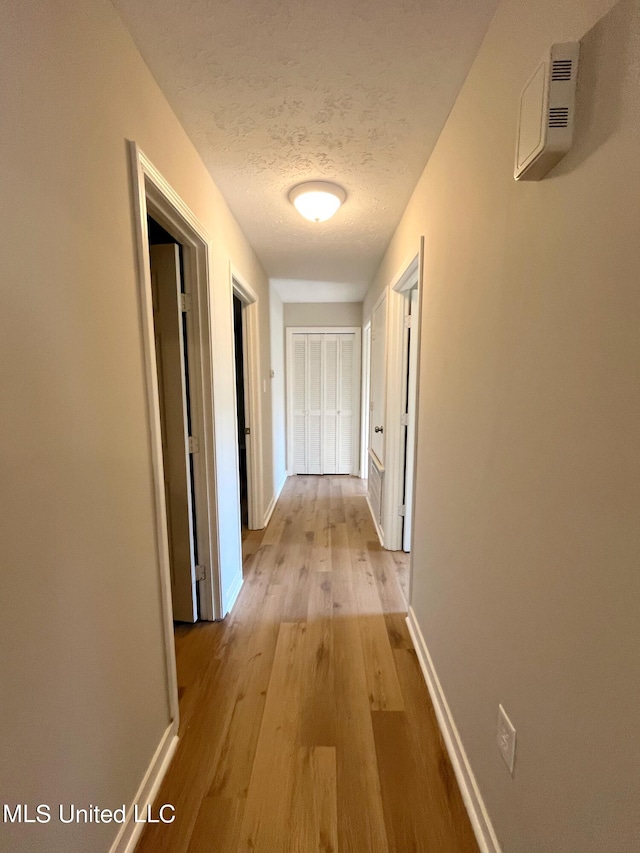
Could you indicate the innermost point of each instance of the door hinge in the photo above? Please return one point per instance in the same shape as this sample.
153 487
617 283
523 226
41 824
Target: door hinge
407 321
185 301
247 430
404 419
194 444
402 510
201 573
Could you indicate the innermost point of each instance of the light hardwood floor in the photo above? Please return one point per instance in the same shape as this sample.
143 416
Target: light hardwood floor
305 721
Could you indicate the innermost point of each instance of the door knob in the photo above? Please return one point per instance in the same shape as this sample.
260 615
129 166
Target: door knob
378 429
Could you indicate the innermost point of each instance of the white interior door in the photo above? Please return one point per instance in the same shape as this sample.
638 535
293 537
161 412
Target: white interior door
314 405
347 403
298 403
170 363
331 404
306 401
378 379
323 399
412 395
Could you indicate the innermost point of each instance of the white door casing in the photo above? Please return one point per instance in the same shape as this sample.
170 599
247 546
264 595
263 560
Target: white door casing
154 196
410 409
407 278
365 400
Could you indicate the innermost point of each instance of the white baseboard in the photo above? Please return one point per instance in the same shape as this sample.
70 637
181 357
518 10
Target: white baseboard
274 500
375 523
480 821
129 833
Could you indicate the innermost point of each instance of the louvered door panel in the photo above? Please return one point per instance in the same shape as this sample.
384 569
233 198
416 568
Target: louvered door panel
314 397
346 394
323 400
299 402
330 415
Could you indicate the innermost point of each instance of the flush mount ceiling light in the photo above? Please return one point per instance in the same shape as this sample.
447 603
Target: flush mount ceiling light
317 200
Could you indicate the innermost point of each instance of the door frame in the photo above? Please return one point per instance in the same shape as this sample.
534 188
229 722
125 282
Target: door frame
290 331
408 276
153 195
253 411
365 391
409 405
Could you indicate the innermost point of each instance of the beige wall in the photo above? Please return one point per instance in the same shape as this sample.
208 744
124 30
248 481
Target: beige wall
82 668
527 546
322 314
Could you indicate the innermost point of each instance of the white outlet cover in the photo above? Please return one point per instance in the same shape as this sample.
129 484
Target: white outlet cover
506 739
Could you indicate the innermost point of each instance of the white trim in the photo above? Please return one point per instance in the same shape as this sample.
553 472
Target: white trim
253 408
274 500
242 287
417 412
324 330
233 593
365 397
377 304
129 833
152 193
408 272
480 821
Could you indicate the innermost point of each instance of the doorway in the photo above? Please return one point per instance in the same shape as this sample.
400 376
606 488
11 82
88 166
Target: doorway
167 228
244 430
366 401
393 424
409 411
246 342
172 367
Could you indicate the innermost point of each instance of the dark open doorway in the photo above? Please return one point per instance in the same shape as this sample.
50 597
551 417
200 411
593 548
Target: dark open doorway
238 333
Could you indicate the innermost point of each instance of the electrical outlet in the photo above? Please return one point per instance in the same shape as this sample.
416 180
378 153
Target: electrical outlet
506 739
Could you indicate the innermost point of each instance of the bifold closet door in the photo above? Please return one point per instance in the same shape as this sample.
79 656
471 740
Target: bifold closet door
322 402
306 385
347 401
337 440
314 404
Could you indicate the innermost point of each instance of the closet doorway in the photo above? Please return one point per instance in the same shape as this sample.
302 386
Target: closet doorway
323 400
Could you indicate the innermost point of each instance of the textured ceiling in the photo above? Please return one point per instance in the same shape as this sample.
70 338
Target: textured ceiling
274 92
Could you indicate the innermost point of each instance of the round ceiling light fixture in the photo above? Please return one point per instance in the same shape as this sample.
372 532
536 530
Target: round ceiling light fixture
317 200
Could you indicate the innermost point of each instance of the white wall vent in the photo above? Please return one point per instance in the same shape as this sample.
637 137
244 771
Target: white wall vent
547 107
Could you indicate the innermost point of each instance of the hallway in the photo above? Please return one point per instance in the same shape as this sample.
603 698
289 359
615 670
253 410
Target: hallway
305 721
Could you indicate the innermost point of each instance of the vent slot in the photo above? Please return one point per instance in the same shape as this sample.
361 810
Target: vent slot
561 69
558 116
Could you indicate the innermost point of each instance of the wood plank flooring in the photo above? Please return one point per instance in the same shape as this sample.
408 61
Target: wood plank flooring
306 726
